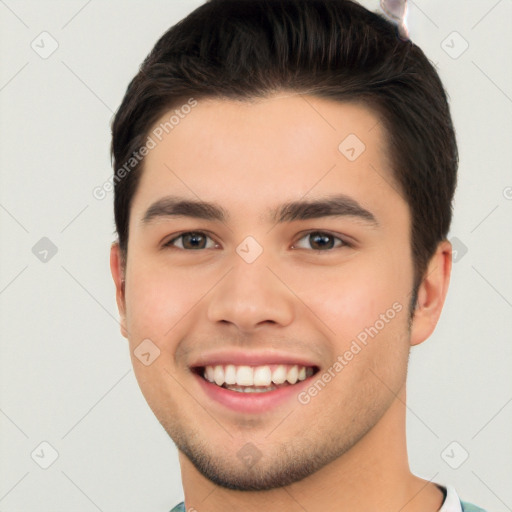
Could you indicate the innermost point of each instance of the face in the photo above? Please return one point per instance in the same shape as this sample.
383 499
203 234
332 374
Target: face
263 325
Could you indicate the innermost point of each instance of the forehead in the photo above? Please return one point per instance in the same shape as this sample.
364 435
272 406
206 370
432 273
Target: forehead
266 151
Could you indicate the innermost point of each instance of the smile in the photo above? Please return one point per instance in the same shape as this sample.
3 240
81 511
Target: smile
255 379
251 382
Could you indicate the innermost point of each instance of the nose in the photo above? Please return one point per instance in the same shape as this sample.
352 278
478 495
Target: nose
251 296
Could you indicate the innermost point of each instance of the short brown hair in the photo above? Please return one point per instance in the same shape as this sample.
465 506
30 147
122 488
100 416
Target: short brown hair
335 49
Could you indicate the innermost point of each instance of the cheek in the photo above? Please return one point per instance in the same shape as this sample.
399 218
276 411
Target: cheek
157 304
157 301
348 299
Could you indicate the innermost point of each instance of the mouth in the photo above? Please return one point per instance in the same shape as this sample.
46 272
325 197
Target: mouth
255 379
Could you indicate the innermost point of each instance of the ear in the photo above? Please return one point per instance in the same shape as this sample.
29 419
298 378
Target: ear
118 274
432 293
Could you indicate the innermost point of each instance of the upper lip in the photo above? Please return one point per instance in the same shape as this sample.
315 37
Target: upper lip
250 358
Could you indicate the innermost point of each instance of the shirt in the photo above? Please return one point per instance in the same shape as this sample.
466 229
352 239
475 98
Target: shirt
451 503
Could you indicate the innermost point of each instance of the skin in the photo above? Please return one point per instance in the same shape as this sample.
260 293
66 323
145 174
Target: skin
345 450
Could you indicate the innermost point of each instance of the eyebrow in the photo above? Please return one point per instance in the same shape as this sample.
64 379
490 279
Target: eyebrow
332 206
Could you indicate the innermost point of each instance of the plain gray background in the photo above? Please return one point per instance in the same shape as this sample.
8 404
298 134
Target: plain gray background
66 377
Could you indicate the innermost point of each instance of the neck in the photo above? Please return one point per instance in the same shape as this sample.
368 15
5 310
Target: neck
373 475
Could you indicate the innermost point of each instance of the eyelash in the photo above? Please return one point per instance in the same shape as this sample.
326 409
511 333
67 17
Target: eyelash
344 243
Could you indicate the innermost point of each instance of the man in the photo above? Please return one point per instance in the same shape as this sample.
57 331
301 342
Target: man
283 187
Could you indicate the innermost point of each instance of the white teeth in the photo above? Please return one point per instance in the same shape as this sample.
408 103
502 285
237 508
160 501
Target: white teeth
230 374
293 374
262 377
248 389
244 376
279 375
218 375
209 373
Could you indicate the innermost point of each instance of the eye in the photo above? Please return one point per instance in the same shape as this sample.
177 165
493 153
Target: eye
196 240
191 240
323 241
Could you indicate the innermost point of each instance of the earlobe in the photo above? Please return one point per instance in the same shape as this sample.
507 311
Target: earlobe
432 293
118 274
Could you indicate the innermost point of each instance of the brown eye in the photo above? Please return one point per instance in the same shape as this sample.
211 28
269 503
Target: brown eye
322 241
192 240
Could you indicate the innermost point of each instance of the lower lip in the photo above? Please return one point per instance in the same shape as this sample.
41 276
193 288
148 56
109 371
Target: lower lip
251 402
